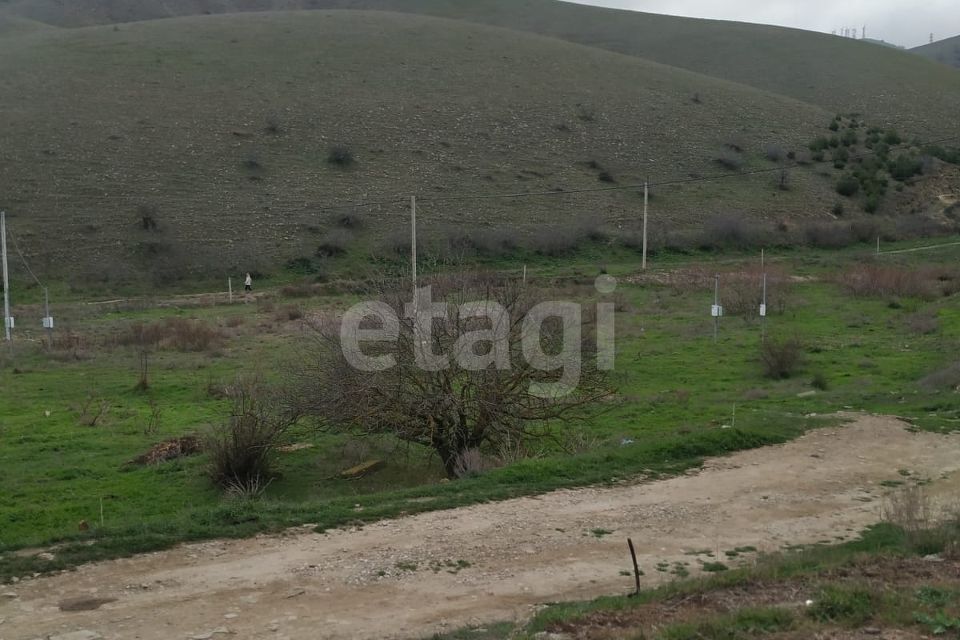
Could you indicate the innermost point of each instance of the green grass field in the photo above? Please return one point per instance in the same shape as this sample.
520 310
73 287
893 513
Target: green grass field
680 397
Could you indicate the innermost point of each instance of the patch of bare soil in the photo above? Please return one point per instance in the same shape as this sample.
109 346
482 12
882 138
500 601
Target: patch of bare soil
414 576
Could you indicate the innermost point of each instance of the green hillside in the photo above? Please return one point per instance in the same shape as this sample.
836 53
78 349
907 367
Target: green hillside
202 145
839 74
944 51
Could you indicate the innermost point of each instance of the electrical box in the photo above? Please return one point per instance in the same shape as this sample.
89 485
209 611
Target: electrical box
716 311
763 311
48 322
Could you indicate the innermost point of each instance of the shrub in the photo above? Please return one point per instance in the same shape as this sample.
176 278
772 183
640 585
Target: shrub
349 221
943 379
179 334
729 160
774 153
820 382
829 236
849 138
340 156
872 280
606 176
334 244
904 167
239 449
730 231
820 143
892 137
781 358
848 185
556 242
842 604
840 157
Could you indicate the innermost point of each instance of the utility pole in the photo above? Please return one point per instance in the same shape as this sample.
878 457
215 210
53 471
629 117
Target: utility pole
413 245
646 202
6 276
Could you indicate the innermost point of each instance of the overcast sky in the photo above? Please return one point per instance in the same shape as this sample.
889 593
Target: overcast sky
904 22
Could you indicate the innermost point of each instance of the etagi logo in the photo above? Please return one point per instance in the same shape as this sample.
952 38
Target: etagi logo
484 335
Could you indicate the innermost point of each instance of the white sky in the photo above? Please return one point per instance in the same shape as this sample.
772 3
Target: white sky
903 22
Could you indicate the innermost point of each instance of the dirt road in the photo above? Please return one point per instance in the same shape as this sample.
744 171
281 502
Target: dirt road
414 576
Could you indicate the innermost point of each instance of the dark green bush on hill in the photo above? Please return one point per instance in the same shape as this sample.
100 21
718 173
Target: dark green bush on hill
848 186
904 167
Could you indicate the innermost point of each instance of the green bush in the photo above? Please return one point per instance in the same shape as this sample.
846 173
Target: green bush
848 186
845 605
904 167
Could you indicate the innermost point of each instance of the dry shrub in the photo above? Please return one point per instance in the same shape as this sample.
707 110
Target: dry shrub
909 509
874 280
167 450
240 449
742 291
473 462
289 313
923 323
334 243
67 345
178 334
781 358
943 379
234 322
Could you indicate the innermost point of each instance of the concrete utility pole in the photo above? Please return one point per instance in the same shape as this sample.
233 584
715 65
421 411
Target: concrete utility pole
646 201
413 244
6 276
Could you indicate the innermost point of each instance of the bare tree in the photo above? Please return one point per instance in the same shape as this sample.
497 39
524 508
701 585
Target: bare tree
489 366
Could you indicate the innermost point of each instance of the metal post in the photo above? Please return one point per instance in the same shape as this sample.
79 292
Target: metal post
524 275
878 245
6 276
716 304
646 201
763 316
46 315
230 289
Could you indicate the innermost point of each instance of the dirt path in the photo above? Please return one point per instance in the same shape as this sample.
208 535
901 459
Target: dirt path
362 584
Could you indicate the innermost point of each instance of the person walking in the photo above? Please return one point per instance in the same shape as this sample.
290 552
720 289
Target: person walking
248 283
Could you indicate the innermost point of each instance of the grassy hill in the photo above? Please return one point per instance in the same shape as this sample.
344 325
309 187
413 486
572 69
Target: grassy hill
943 51
203 145
838 74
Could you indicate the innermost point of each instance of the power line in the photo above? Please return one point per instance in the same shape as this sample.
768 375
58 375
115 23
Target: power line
16 247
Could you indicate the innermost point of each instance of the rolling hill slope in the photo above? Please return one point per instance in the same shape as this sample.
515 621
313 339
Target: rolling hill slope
219 130
838 74
944 51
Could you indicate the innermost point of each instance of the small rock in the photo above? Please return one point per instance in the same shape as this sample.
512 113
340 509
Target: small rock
47 557
872 631
933 558
9 595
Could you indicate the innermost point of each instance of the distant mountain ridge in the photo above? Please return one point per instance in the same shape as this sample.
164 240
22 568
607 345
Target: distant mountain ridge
839 74
944 51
